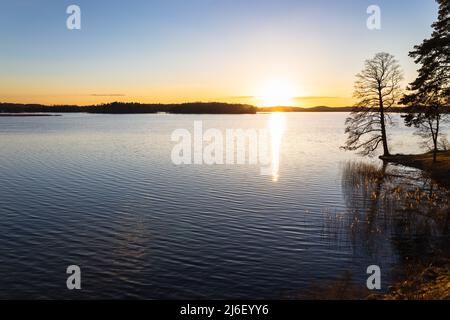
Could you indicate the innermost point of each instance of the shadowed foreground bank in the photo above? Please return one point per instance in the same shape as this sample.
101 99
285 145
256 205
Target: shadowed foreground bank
432 283
421 283
396 207
439 171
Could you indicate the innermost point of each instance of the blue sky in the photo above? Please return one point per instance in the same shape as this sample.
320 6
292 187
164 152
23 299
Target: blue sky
173 50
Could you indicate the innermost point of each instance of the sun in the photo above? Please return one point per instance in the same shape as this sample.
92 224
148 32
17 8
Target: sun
277 93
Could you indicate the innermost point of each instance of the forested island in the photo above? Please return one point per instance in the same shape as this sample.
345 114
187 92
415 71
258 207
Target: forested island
133 108
6 109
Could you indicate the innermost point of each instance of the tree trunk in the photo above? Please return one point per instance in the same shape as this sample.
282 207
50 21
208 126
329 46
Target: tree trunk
435 150
435 146
435 141
383 126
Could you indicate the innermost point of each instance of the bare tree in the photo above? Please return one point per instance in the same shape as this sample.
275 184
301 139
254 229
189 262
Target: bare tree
377 89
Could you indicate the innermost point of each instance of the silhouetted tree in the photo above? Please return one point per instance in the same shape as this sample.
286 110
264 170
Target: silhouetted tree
377 89
133 108
428 123
429 93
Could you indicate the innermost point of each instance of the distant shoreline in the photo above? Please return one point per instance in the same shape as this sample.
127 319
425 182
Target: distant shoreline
300 109
332 109
6 109
132 108
28 115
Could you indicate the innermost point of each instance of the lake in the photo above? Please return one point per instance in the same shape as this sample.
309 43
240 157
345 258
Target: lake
101 192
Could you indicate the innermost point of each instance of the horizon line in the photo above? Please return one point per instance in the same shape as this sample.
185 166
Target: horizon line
172 103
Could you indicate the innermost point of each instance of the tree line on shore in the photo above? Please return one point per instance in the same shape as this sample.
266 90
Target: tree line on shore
378 90
196 107
124 108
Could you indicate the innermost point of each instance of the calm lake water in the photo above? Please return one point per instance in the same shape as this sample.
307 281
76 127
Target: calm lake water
101 192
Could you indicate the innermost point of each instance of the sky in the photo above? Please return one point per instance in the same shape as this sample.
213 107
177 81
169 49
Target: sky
262 52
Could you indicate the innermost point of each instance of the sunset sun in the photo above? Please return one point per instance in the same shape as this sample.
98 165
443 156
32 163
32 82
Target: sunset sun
217 159
277 93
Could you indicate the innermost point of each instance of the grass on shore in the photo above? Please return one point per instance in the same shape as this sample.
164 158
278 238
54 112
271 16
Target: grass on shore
439 171
433 283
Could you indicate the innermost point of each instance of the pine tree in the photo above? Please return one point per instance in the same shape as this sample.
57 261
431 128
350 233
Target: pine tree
429 93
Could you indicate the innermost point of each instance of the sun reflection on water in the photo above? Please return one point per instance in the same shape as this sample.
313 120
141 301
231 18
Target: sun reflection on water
276 128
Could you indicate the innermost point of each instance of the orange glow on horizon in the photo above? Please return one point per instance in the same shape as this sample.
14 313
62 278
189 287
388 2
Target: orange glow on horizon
286 93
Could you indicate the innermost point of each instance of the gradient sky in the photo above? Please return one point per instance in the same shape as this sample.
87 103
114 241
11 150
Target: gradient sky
192 50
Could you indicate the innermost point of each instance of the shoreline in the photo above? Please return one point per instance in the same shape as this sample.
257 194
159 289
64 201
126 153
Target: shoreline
28 115
178 108
433 281
439 171
430 283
